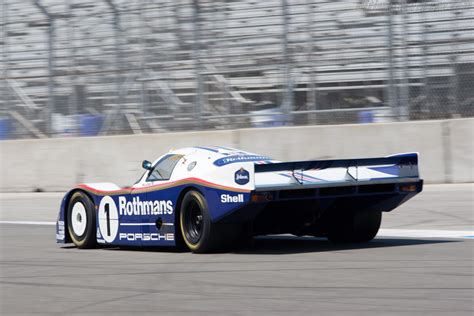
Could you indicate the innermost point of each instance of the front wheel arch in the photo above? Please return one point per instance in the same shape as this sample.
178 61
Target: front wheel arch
69 195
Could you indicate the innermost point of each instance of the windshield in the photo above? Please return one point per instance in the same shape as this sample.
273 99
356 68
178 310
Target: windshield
164 168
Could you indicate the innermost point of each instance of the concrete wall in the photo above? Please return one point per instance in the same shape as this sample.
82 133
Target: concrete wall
445 147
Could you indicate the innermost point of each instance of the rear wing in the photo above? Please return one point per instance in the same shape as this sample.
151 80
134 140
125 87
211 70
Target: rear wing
317 173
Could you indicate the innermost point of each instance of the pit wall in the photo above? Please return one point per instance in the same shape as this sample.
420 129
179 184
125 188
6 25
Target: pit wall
445 147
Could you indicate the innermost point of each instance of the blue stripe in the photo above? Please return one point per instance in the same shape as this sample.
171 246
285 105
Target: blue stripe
392 170
403 155
238 158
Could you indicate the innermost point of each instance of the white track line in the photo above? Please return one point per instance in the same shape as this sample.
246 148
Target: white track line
29 223
384 232
416 233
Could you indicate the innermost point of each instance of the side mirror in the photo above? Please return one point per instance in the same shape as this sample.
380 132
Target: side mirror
146 165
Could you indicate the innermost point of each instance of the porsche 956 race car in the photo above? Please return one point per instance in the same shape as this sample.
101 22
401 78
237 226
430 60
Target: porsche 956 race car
210 198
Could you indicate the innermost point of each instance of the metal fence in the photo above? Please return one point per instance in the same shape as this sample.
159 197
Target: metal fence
101 67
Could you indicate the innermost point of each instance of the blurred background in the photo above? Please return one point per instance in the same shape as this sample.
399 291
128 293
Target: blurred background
108 67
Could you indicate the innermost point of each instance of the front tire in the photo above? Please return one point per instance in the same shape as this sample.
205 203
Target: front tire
81 221
354 227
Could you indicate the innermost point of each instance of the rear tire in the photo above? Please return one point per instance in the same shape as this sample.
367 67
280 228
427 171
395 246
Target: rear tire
198 232
81 221
354 227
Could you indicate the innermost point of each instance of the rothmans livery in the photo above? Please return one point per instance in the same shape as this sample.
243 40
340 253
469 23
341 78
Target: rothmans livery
210 198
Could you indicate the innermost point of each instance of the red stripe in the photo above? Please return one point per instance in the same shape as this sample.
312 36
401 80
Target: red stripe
177 182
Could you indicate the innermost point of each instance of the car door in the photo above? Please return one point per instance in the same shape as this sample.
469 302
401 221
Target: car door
158 210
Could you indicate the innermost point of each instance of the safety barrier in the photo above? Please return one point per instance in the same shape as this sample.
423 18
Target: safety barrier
445 147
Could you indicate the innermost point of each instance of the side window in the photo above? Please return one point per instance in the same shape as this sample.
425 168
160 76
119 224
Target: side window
164 168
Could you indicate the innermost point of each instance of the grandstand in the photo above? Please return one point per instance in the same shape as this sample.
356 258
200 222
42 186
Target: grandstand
152 66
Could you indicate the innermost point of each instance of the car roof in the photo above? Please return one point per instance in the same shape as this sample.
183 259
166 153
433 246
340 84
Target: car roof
214 152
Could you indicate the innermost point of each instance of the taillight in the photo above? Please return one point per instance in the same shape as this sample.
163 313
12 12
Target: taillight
262 197
408 188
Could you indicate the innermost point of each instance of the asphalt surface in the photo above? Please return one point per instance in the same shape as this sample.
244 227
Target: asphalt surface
278 275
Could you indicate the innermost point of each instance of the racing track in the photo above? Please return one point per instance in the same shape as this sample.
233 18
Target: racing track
279 275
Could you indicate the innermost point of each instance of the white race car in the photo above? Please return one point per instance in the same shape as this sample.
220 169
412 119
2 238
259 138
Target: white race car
209 198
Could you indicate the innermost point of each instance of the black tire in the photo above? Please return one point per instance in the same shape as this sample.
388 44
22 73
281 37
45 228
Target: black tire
354 227
198 232
81 221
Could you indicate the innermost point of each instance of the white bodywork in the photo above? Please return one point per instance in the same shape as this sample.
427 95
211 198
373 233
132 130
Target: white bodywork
206 169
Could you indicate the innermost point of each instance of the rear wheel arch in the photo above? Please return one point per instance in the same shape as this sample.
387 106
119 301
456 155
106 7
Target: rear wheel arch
178 233
354 226
180 199
213 236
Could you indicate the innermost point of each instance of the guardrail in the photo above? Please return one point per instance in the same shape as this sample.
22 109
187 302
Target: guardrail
445 147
